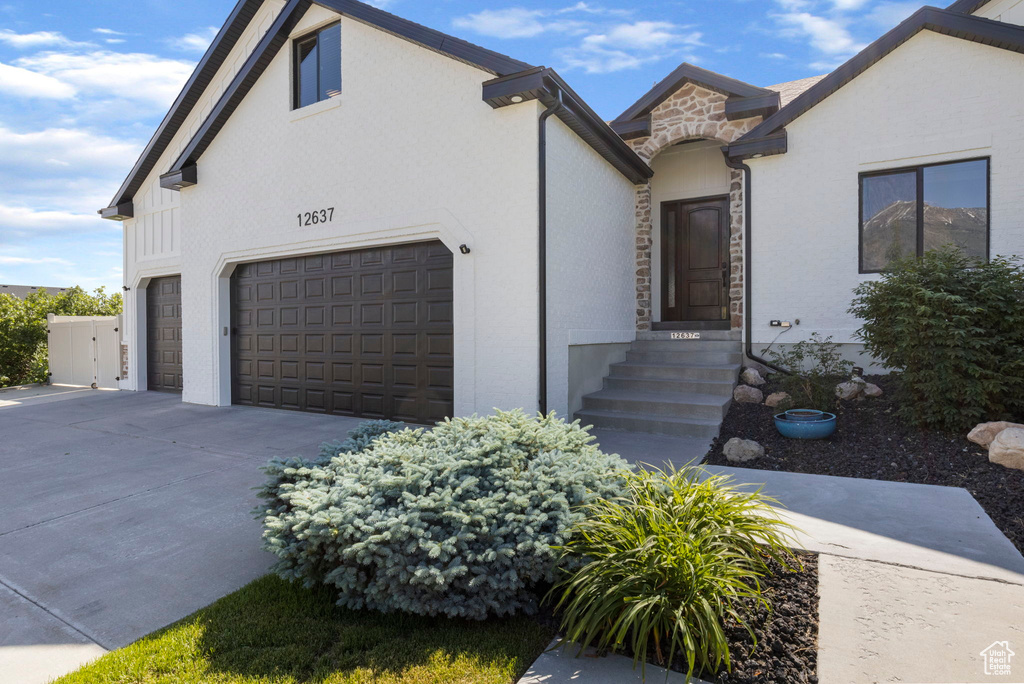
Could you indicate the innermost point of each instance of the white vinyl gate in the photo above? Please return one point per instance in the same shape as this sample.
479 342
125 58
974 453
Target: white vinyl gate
85 350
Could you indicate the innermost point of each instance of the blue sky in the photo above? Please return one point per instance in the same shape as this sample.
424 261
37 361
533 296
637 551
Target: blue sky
84 84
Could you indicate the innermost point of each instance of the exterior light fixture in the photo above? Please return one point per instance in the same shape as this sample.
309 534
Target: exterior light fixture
756 156
516 99
464 249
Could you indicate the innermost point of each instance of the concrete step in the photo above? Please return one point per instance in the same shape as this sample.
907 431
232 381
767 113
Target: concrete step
733 335
640 422
660 384
688 346
684 358
719 372
682 405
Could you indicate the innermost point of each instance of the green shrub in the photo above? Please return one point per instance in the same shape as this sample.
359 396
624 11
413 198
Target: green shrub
359 438
815 367
955 328
458 521
667 565
23 357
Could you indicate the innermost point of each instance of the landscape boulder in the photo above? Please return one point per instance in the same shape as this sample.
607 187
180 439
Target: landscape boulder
751 376
984 433
1007 449
745 394
777 399
854 389
738 450
871 390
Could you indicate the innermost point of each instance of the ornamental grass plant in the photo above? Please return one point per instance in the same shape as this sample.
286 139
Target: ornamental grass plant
666 565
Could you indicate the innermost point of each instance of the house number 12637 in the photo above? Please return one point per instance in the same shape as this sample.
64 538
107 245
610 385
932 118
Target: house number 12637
311 218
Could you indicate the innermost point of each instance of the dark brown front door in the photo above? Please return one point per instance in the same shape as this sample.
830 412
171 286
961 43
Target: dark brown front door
163 334
695 260
365 333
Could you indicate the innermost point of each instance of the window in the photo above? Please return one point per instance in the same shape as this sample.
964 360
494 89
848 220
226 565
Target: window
910 211
318 66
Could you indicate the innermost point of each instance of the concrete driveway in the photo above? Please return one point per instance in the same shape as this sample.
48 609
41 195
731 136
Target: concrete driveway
121 512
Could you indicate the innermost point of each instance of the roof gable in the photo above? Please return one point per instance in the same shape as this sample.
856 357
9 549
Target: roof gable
765 137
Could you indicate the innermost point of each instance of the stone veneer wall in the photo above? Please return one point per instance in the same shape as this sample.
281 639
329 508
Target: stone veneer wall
692 113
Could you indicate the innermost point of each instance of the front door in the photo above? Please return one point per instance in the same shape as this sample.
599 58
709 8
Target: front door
695 260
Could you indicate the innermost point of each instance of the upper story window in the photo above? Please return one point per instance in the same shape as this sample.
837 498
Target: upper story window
909 211
318 66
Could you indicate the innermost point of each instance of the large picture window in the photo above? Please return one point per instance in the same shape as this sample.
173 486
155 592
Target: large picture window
909 211
318 66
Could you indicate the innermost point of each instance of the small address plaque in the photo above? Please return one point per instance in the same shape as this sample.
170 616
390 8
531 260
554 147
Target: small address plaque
685 336
312 218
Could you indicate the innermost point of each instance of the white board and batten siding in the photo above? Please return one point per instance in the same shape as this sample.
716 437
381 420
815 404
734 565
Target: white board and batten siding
85 350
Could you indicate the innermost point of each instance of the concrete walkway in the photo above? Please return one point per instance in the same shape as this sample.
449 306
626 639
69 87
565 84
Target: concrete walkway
915 581
121 513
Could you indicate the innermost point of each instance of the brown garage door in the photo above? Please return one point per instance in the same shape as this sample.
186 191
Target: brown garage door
363 333
163 334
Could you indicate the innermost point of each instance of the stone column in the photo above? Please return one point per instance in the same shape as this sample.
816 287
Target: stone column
643 257
736 211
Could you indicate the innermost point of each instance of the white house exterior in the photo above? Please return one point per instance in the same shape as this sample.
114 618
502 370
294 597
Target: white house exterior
377 248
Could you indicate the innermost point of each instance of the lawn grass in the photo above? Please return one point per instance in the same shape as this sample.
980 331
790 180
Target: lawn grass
275 632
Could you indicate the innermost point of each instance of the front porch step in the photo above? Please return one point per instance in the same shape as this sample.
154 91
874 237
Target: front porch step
719 372
642 422
680 405
688 346
660 384
676 357
730 335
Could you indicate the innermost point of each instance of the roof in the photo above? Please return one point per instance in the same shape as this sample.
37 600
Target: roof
121 206
788 91
968 6
22 291
768 137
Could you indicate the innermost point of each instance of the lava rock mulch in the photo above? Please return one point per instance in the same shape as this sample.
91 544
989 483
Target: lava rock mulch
873 442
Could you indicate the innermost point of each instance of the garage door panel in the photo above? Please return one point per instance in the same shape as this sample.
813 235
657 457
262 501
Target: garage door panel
365 333
163 334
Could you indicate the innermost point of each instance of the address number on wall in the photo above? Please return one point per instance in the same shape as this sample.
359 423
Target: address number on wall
686 336
312 218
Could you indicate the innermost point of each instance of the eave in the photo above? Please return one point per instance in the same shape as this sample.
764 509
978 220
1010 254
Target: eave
545 85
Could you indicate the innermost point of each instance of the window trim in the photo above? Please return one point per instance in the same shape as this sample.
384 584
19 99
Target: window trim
297 41
918 169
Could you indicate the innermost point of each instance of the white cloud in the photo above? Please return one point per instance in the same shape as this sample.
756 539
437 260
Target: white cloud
29 41
109 32
630 46
25 83
18 261
66 148
827 35
516 22
848 5
643 35
889 14
197 41
137 77
17 218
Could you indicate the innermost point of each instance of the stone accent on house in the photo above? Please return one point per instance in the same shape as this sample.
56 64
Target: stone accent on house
692 113
643 257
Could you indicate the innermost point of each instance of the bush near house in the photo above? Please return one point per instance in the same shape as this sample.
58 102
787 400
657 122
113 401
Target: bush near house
955 328
815 366
23 353
459 521
668 565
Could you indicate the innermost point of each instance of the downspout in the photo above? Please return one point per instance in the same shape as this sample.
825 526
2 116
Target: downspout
747 265
542 246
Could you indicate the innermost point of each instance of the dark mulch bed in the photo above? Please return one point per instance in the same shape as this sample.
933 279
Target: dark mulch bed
872 442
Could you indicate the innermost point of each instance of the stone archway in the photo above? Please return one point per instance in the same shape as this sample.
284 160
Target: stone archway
692 113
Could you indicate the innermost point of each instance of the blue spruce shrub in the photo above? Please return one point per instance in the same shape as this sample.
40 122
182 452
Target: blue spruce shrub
359 438
457 521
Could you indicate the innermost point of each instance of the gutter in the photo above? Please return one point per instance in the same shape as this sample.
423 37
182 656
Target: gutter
542 246
747 265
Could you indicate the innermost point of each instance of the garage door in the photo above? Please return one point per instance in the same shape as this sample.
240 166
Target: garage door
163 334
363 333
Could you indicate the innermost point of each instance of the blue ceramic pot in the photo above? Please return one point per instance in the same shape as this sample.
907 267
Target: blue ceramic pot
805 414
806 429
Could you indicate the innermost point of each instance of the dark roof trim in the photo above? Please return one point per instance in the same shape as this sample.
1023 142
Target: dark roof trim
119 212
545 85
994 33
628 130
967 6
749 107
466 52
277 36
207 68
687 73
182 178
776 143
